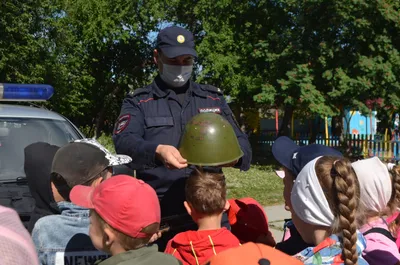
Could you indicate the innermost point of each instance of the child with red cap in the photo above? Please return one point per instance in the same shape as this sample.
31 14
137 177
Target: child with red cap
125 213
249 222
205 203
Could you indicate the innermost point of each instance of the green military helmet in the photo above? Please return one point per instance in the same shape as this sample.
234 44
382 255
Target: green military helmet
209 140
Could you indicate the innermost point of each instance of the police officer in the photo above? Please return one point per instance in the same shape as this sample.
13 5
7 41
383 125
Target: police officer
153 118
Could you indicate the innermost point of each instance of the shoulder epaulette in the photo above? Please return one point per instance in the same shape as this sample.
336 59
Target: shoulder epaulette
143 90
212 89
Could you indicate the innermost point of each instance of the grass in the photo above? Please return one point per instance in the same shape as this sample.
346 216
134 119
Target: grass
260 182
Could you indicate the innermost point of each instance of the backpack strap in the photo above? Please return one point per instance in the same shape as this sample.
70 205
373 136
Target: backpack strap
381 231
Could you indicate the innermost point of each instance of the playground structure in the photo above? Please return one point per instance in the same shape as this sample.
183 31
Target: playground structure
361 139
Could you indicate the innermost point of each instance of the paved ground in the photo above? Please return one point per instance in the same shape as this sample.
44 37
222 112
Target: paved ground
276 214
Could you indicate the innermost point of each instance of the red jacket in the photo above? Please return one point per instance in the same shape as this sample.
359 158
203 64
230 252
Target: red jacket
196 247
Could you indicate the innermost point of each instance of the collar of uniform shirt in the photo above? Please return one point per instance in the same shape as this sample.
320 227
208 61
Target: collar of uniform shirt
161 90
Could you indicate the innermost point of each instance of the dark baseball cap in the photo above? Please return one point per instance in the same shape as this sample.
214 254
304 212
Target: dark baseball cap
295 157
176 41
80 161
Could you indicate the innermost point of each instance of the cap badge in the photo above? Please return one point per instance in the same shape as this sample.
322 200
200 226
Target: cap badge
180 39
294 156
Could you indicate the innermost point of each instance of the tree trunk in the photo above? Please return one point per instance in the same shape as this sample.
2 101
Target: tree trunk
108 98
102 113
287 117
341 126
100 122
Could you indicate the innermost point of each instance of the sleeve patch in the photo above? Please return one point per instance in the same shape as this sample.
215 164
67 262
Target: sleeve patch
122 123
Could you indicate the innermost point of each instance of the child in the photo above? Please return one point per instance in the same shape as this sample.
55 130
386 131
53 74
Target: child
293 158
323 203
205 203
125 213
16 246
249 222
379 194
81 162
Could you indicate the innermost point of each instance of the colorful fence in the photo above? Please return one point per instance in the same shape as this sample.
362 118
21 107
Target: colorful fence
352 145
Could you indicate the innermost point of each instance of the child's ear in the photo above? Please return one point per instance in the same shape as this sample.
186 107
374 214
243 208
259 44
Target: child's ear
227 206
187 207
109 237
96 182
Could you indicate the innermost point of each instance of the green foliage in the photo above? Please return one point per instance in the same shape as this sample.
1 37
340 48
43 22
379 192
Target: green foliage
22 49
107 142
91 51
315 57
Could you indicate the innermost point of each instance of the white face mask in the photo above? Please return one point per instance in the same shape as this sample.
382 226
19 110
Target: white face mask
176 75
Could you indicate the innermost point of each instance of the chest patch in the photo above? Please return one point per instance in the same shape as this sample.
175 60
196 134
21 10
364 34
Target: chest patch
208 110
122 123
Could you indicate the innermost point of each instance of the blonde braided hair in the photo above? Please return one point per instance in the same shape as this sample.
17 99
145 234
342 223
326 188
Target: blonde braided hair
342 191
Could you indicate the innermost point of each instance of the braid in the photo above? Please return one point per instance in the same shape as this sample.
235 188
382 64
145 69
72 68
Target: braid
395 199
394 226
345 187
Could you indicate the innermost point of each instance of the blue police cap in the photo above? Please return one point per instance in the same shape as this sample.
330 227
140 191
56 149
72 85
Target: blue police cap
176 41
295 157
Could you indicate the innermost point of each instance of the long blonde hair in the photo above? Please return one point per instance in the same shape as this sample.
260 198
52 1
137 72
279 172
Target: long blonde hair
341 188
394 202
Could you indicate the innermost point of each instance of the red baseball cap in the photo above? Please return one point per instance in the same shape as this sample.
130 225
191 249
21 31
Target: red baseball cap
248 220
253 254
127 204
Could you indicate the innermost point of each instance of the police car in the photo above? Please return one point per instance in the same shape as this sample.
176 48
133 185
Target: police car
21 126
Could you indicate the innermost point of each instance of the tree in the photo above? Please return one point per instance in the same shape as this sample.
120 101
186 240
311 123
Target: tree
22 50
345 54
109 42
91 51
315 56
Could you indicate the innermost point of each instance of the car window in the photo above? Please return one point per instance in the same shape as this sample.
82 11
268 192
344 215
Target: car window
17 133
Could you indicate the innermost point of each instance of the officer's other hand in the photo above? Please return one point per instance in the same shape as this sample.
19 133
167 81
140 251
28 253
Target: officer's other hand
171 157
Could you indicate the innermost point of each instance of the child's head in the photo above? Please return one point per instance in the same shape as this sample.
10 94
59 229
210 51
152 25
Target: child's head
325 198
293 158
205 193
100 232
82 162
379 192
125 213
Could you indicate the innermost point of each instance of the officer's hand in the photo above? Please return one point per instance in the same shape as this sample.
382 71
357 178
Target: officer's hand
171 157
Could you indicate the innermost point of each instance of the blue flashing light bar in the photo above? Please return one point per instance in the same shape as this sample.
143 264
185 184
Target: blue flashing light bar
25 92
